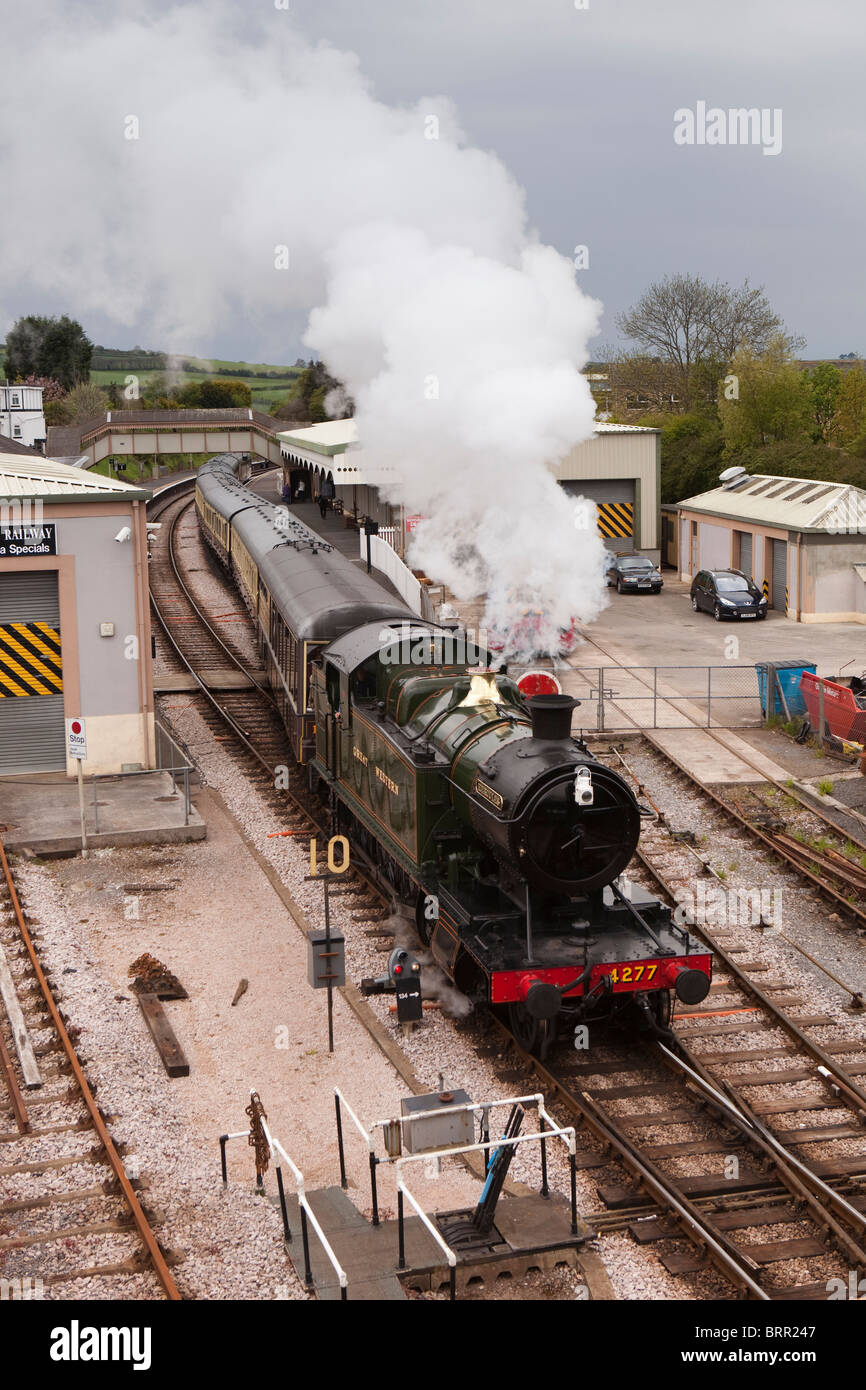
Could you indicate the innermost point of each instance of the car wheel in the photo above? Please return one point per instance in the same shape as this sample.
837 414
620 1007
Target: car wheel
717 612
761 617
619 586
695 604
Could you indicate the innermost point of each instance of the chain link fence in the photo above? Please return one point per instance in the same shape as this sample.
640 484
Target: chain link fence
664 697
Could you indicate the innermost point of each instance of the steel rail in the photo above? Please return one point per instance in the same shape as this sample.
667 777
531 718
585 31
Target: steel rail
804 1184
768 840
749 987
731 1261
142 1225
206 624
714 735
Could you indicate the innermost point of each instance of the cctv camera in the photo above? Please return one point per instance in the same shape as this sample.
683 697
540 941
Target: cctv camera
124 534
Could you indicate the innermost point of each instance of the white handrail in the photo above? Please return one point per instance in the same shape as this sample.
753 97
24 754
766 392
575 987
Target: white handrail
302 1201
448 1252
478 1108
490 1144
366 1135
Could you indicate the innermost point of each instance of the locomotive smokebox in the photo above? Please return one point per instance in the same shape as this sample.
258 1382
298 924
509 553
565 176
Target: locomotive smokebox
551 716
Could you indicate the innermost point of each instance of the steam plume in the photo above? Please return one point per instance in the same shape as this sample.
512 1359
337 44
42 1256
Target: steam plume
192 162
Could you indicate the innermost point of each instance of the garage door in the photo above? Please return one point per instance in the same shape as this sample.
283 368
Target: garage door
32 730
745 556
780 575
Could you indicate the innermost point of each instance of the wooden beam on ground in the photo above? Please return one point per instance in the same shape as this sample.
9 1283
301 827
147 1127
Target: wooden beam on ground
170 1051
20 1036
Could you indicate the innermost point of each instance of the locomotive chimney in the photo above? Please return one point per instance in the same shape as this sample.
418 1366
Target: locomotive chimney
551 716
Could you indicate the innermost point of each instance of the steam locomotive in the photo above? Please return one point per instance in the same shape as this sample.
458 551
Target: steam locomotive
474 805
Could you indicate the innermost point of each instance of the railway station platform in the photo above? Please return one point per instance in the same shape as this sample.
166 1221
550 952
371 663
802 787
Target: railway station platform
530 1232
40 813
332 527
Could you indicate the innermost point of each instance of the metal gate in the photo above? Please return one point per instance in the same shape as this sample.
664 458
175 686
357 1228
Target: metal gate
745 552
780 576
32 730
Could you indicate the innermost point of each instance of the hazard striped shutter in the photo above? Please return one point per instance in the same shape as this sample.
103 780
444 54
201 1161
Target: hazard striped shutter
615 520
32 730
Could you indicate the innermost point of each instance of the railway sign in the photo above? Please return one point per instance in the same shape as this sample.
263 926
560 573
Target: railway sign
408 995
25 539
76 738
539 683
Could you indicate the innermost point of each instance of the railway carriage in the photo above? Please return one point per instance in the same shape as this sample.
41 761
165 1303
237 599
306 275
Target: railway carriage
477 807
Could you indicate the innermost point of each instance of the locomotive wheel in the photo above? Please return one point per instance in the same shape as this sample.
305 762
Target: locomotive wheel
534 1035
661 1006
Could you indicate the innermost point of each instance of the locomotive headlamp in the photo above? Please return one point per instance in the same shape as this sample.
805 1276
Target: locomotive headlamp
583 792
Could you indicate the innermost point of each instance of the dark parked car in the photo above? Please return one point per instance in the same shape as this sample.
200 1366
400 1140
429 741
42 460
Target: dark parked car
633 574
727 594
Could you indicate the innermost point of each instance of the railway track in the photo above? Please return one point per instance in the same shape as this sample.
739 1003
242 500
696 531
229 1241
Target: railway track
743 1132
246 720
69 1212
750 1212
700 1166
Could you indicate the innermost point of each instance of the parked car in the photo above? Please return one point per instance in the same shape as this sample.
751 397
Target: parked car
633 574
727 594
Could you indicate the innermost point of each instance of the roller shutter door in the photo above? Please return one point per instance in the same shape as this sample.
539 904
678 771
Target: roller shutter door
745 552
32 728
780 575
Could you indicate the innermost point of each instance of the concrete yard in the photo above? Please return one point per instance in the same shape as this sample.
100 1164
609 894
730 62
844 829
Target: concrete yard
41 812
650 630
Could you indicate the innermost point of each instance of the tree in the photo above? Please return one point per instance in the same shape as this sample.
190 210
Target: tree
691 452
51 389
767 398
55 347
849 422
824 383
319 395
214 395
85 402
695 327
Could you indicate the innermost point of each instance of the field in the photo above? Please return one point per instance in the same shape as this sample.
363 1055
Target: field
267 392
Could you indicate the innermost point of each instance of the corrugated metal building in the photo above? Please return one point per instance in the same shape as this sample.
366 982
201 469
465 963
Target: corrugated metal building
620 470
74 619
803 541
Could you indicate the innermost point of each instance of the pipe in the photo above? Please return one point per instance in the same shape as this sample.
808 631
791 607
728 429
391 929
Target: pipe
142 613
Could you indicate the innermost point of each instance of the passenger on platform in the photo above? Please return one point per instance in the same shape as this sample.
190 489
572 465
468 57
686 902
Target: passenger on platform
301 491
286 491
327 493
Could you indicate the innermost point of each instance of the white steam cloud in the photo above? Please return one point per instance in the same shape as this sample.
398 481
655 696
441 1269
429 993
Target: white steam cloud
175 174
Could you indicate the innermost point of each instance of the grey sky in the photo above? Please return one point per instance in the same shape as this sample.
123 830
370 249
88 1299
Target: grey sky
579 104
